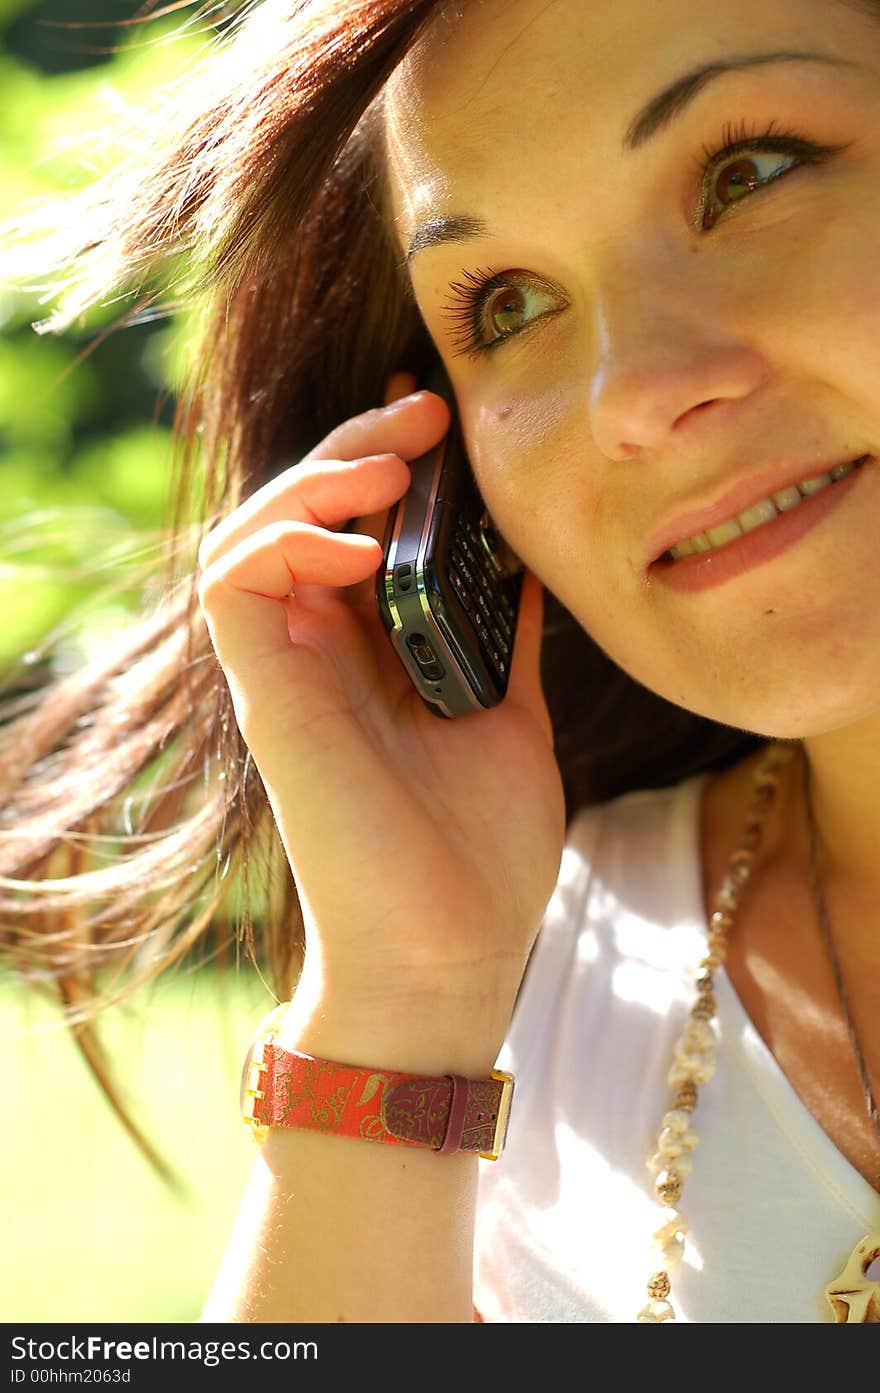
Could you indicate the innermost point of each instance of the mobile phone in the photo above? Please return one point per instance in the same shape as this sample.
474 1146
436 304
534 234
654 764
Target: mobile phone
448 588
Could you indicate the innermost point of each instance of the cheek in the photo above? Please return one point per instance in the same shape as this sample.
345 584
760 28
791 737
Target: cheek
529 461
819 306
845 287
546 489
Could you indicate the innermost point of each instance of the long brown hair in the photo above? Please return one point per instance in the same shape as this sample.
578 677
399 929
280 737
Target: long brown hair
130 808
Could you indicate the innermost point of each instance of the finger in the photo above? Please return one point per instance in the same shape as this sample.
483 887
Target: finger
406 426
370 522
239 594
328 487
322 493
277 558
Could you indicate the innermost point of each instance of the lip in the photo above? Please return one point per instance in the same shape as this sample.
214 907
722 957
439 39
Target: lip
742 495
705 569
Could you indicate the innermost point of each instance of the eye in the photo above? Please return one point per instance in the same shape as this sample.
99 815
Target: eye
740 177
491 307
746 163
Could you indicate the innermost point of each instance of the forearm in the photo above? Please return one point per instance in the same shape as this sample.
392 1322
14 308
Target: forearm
337 1228
334 1228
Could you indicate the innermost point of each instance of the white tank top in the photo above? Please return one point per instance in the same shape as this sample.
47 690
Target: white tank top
565 1217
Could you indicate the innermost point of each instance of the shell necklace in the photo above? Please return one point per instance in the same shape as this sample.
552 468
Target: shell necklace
854 1297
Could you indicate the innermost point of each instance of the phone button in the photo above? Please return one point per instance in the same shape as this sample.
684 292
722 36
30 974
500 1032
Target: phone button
461 591
500 640
425 656
498 663
466 571
403 576
484 606
421 649
505 614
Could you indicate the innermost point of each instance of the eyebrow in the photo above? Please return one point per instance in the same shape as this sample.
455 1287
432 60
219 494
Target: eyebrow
654 116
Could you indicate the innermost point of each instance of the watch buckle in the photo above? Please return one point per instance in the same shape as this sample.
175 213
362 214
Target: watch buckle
503 1115
253 1091
256 1070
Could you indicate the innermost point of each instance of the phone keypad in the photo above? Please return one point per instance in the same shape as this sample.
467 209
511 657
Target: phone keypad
488 608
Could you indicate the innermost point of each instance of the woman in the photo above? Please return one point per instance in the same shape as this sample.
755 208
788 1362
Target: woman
669 405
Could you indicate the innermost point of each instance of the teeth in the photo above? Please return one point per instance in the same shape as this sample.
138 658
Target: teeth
787 498
815 485
724 532
765 510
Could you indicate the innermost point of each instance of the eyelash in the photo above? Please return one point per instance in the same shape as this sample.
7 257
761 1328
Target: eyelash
769 141
469 297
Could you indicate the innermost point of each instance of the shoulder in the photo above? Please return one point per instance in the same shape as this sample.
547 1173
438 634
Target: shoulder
624 925
637 846
629 884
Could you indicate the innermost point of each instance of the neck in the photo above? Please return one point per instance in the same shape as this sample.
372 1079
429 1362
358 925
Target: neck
845 781
844 774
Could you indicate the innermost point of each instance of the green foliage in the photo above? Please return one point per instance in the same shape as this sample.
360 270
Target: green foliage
84 472
41 400
127 472
84 420
9 9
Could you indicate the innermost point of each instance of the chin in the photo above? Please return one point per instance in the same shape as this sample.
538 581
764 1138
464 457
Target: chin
787 715
808 680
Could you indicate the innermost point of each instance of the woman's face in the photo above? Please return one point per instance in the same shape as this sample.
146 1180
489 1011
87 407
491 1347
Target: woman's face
666 327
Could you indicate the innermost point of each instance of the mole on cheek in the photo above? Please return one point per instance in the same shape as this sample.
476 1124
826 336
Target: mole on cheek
503 412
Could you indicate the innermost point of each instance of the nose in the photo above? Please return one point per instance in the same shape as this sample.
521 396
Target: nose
668 369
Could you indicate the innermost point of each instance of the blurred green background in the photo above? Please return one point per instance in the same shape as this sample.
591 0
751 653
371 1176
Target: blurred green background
89 1233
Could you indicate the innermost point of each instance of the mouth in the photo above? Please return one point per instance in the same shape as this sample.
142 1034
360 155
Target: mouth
729 552
758 514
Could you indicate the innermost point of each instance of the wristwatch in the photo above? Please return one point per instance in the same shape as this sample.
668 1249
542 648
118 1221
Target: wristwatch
287 1088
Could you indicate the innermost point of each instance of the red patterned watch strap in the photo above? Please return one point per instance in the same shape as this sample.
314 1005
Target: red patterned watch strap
447 1114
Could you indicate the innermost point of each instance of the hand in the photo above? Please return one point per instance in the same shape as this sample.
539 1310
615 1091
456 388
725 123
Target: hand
424 851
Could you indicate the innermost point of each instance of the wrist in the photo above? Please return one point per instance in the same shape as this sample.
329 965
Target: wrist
425 1034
